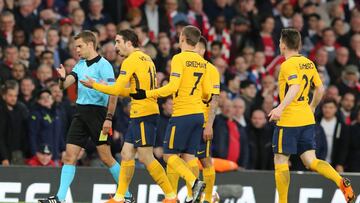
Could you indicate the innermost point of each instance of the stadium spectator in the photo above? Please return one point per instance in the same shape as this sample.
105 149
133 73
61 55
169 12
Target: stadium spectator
47 58
13 128
232 85
347 108
321 61
260 138
339 26
43 74
268 90
38 37
345 40
27 88
19 37
24 55
354 56
66 31
219 32
240 67
52 44
350 81
222 66
230 139
248 54
239 30
45 125
11 55
109 52
95 15
110 31
18 72
197 17
257 70
284 19
353 158
336 134
267 42
311 36
164 54
25 16
215 50
338 65
7 27
239 110
214 8
78 17
328 42
154 16
142 32
174 16
43 157
248 94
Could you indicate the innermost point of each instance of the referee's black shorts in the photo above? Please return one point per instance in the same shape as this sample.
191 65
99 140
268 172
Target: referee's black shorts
87 122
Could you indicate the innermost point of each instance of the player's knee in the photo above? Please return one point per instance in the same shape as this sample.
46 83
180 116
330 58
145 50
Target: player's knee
145 156
69 159
206 162
126 156
281 159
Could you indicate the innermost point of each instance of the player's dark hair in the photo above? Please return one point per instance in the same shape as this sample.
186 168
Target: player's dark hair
291 38
203 41
192 34
9 85
130 36
87 36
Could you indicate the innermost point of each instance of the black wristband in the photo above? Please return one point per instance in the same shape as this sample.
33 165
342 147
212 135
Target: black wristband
109 117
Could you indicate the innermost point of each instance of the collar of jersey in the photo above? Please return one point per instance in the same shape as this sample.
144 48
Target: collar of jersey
92 61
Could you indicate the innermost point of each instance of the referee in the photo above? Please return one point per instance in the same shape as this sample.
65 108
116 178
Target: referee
94 113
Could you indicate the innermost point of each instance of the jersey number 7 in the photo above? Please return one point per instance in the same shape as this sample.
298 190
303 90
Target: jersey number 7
198 75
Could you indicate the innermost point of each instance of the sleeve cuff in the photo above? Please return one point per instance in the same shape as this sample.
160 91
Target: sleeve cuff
74 74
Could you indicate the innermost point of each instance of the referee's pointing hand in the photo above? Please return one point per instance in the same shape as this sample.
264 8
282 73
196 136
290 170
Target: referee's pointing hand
88 83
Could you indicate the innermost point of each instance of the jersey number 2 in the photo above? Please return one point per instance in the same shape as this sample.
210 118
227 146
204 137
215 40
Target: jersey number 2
302 97
198 75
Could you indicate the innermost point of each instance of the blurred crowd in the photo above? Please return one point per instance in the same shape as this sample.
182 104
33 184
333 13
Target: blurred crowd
37 36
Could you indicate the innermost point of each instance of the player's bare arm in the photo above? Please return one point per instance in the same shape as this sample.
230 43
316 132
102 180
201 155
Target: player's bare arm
289 97
318 94
208 131
109 115
65 80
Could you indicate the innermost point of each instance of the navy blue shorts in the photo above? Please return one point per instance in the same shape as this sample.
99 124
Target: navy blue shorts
293 140
183 134
142 131
204 149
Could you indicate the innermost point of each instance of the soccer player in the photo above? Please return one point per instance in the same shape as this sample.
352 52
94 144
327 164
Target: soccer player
204 149
189 81
93 116
139 70
294 131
